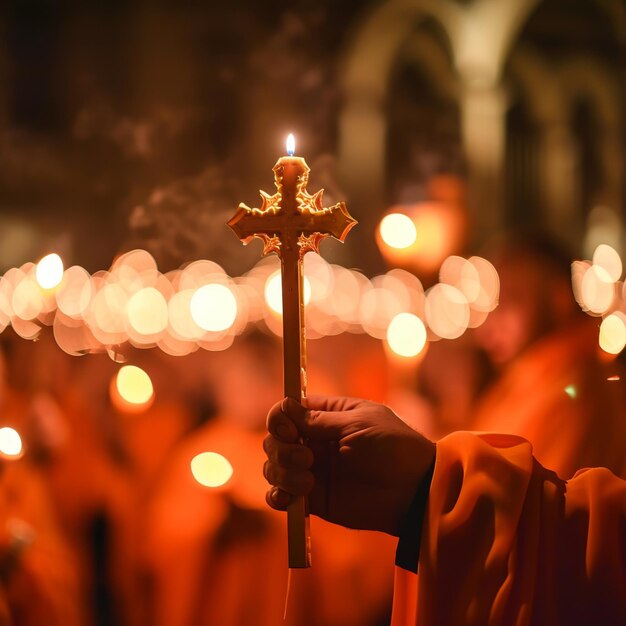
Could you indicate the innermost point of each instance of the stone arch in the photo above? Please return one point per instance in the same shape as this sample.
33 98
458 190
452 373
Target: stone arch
365 76
554 71
584 79
542 92
480 35
421 115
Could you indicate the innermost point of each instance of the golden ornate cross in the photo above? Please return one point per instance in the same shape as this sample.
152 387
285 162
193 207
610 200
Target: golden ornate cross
291 223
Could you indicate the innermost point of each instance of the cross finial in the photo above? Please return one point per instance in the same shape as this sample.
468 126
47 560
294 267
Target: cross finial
291 213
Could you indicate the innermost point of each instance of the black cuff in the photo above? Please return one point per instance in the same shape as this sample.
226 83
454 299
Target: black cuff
410 535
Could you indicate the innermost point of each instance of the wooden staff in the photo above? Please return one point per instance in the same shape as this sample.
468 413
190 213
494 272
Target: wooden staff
291 223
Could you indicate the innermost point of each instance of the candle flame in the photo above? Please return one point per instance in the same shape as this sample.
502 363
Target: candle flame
49 271
291 144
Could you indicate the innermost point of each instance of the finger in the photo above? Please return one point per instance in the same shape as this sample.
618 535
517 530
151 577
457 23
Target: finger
331 403
278 499
296 483
281 425
310 424
292 456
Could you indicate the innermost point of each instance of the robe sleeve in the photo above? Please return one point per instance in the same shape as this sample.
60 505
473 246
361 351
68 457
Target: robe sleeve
504 541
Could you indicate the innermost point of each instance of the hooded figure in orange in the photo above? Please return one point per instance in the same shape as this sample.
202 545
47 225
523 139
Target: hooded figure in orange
552 387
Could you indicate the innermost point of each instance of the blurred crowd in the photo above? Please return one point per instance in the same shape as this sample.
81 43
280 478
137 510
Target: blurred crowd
102 522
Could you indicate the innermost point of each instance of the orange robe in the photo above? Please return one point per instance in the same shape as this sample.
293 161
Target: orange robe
506 542
558 395
219 556
38 574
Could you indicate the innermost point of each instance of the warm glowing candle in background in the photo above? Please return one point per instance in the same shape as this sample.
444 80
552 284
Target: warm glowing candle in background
608 258
134 386
397 230
49 271
146 311
211 469
10 442
291 144
406 335
612 337
214 307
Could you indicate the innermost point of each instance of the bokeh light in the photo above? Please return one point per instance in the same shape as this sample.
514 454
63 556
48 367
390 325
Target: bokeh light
214 307
200 306
27 299
379 306
211 469
447 311
74 295
406 335
489 292
180 318
612 338
10 442
608 259
49 271
274 292
147 311
463 275
597 290
134 385
397 230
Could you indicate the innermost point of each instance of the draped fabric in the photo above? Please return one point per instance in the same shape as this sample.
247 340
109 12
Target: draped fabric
506 542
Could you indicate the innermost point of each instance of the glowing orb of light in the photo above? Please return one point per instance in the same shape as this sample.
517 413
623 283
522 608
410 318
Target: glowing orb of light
27 300
49 271
213 307
147 311
179 312
406 335
613 333
607 257
10 442
447 311
597 290
134 385
76 293
274 292
463 275
489 290
211 469
398 230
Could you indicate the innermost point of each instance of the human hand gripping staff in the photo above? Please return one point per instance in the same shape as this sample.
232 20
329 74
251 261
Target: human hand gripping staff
361 468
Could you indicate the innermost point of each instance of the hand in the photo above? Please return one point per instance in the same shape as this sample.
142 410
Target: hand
360 468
